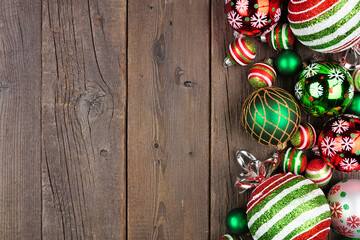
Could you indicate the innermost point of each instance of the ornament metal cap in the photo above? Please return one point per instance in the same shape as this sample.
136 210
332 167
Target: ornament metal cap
344 62
227 63
254 171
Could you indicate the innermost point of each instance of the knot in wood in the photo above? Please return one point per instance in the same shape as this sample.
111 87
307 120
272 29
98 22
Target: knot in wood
159 49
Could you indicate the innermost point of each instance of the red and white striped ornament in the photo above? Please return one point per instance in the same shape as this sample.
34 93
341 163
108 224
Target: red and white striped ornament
280 37
229 237
356 78
261 75
305 137
242 51
319 172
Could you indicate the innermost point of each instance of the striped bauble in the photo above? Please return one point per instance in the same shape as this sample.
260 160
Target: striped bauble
356 78
305 137
319 172
241 51
326 26
288 206
229 237
293 160
281 37
261 75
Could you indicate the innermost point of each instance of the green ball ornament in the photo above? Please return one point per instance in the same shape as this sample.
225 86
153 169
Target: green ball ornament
354 107
324 89
288 63
271 116
236 221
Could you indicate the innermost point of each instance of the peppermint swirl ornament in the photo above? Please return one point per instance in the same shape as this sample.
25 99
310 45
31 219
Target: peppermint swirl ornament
252 17
324 88
339 143
288 206
262 74
241 52
305 137
344 199
326 26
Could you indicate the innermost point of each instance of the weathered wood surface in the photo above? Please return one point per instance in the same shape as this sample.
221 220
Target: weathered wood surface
83 119
168 119
20 119
118 120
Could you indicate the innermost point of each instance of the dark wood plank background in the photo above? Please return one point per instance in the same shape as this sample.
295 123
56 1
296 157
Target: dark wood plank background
118 120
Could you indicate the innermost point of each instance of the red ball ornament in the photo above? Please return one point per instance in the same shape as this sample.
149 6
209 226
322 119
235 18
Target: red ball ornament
339 143
253 17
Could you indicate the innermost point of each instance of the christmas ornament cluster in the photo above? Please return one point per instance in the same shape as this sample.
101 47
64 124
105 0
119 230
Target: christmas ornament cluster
292 204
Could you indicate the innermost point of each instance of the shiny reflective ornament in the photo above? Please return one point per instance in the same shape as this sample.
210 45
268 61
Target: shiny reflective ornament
271 116
236 221
252 17
354 107
324 89
356 79
326 26
344 200
288 63
288 206
339 143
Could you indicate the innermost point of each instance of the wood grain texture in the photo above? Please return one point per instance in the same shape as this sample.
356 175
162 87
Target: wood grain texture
229 90
83 116
20 123
168 119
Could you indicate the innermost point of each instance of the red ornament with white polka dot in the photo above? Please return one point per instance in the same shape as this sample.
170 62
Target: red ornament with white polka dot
253 17
339 143
344 199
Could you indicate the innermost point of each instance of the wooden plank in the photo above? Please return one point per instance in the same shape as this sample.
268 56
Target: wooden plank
229 90
20 124
83 111
168 119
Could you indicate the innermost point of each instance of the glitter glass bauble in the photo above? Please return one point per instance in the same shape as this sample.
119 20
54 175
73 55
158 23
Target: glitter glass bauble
305 137
339 143
229 237
326 26
319 172
288 206
324 89
236 221
252 17
261 75
271 116
344 200
241 52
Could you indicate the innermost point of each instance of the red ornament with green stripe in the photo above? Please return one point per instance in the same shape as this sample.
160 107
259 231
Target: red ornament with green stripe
356 78
305 137
326 26
281 37
241 52
319 172
293 160
288 206
262 74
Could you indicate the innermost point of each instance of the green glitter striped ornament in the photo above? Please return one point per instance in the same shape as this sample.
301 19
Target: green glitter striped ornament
262 74
288 206
326 26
